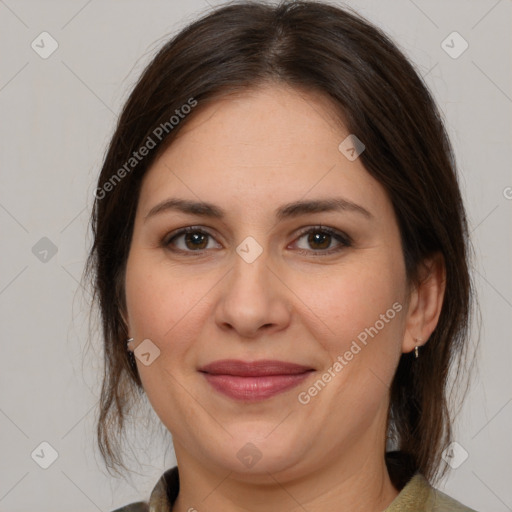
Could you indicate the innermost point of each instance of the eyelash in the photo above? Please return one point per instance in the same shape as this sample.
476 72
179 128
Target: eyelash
342 238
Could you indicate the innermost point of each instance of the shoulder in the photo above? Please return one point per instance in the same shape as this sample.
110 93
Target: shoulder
441 502
162 496
139 506
419 496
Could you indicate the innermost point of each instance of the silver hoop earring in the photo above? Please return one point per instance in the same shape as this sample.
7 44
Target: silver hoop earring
417 348
131 356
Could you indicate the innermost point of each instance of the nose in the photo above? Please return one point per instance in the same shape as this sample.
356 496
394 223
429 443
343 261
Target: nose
253 299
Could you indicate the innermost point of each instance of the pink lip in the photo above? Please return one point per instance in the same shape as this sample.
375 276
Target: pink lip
252 381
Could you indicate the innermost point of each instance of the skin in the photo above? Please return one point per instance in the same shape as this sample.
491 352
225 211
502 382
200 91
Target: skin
250 154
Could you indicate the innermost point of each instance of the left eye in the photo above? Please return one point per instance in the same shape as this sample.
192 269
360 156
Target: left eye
319 239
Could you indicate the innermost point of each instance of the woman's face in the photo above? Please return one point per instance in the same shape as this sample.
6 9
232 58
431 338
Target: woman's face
296 260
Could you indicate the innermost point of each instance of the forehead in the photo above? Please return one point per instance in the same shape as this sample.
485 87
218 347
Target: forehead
261 147
269 123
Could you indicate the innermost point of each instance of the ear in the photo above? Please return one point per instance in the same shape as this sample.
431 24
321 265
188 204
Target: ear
425 303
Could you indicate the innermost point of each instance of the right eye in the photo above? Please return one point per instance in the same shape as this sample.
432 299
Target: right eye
190 239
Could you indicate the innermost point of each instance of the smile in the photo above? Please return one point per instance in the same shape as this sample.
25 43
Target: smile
254 381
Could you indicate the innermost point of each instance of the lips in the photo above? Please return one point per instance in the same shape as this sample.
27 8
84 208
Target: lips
254 381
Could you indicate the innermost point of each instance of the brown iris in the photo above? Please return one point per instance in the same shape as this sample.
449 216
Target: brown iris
323 239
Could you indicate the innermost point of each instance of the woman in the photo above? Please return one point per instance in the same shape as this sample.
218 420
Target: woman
281 261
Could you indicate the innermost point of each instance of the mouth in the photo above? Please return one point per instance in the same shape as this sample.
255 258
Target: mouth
254 381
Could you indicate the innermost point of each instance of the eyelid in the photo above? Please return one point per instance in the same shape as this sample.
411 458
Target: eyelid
326 229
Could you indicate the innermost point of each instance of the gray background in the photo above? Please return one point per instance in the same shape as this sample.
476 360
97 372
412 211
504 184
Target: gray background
56 117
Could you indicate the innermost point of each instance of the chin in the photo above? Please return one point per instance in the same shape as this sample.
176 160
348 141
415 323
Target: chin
253 457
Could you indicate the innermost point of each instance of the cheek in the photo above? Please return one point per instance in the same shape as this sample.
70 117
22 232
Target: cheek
360 322
361 315
165 304
166 307
356 298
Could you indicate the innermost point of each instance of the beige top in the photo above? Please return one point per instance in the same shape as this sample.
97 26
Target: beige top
417 496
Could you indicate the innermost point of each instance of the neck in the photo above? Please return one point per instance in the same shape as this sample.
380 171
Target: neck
356 482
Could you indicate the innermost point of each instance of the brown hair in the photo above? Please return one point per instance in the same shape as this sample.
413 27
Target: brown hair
383 101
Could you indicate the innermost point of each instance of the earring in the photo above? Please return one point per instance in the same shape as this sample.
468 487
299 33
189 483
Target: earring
131 357
417 348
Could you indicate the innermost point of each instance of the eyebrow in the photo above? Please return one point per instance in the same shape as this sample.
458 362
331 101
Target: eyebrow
289 210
